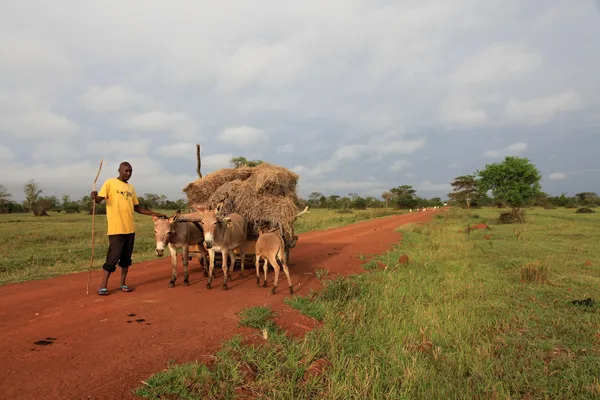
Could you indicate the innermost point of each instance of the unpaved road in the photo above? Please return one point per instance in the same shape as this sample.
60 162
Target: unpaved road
100 352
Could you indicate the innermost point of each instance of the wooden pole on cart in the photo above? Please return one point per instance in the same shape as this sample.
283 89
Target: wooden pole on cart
87 290
198 163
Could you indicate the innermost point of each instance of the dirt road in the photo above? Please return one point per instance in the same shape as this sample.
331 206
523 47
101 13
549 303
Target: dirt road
102 347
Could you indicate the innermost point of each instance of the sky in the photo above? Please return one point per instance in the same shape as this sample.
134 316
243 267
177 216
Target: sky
354 96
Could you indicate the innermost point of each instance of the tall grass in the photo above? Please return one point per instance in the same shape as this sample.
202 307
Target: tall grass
40 247
457 321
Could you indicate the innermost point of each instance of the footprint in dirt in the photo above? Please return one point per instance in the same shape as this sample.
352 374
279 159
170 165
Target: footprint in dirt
45 342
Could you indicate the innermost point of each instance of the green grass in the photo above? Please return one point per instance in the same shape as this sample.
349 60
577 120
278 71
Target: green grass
40 247
457 321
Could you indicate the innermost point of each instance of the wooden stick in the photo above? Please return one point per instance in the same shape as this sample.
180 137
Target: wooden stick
198 163
87 290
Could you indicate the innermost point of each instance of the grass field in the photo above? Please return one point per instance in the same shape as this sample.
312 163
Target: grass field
39 247
467 317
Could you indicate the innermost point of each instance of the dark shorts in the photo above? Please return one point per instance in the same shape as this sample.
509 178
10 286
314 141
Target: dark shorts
120 248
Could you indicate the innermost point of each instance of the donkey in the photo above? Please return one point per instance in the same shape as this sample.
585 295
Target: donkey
271 247
221 234
178 236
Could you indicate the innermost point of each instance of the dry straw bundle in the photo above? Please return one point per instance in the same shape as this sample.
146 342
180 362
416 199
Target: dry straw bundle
263 195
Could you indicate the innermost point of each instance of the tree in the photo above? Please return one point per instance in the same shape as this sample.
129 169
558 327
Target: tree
32 193
404 196
588 198
464 187
4 195
514 181
387 196
239 162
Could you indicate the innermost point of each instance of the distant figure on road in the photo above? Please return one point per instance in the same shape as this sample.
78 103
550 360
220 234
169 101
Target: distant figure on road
121 202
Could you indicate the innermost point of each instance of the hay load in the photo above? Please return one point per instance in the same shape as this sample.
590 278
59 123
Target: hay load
263 195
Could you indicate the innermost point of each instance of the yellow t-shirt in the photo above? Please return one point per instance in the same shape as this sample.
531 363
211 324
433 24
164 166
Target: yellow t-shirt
120 199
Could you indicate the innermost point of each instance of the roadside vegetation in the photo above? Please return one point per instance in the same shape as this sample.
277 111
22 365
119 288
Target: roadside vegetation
510 312
42 247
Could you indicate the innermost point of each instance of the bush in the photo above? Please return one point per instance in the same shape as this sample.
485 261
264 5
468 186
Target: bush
513 217
585 210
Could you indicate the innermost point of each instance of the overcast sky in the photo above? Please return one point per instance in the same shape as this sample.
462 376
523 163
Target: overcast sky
355 96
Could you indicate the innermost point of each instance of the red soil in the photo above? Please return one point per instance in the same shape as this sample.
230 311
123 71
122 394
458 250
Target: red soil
100 352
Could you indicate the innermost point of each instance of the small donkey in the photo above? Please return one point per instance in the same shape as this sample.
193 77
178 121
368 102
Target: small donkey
271 247
178 236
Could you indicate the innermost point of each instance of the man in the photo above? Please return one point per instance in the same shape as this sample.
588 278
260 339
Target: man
121 202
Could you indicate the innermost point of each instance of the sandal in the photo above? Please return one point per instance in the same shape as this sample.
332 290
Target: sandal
103 292
126 288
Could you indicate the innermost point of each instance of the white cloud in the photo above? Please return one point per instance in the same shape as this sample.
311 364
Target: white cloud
6 154
428 186
514 148
557 176
517 147
286 148
243 136
400 165
497 62
113 98
217 161
378 146
177 150
117 149
32 61
36 124
179 123
462 111
542 109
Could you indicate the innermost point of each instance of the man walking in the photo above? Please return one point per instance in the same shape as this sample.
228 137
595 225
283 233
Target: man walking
121 202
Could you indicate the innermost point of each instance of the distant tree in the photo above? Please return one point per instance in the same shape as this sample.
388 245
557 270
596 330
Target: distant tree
514 181
358 203
152 200
314 199
464 188
4 195
32 194
404 196
372 202
244 162
588 199
387 196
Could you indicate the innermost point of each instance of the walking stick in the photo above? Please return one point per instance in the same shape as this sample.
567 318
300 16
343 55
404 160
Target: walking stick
87 290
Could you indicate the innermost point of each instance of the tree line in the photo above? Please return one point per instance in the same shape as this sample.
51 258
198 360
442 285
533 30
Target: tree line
39 205
514 182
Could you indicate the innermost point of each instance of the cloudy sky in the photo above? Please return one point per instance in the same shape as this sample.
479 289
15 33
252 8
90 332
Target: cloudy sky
356 96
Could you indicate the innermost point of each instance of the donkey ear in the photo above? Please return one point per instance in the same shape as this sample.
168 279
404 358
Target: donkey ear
155 218
219 207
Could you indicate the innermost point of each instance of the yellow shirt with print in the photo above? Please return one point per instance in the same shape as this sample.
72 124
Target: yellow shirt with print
120 200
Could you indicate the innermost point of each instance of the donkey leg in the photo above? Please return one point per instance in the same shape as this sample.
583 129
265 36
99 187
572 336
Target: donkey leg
275 265
287 275
232 256
173 252
224 267
211 256
243 259
204 264
257 265
186 278
265 270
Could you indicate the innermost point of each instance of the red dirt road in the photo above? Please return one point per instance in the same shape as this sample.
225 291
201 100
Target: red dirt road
98 354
